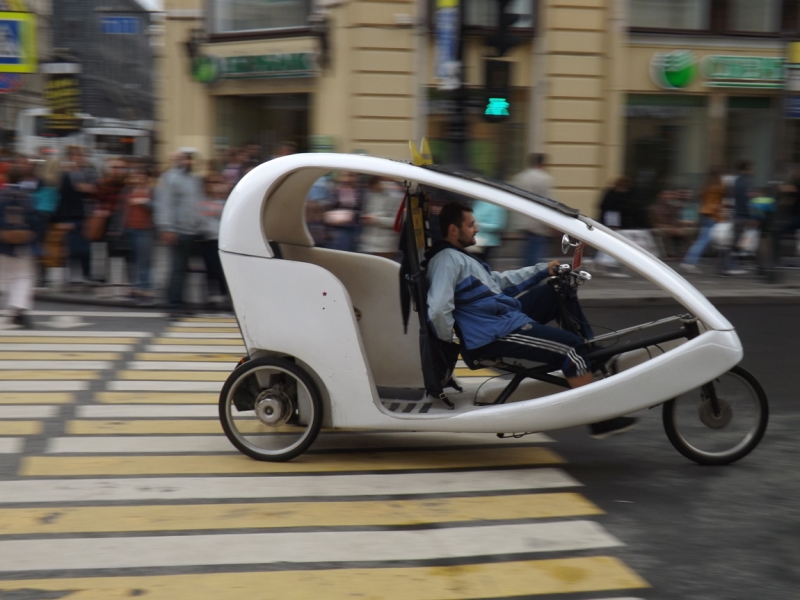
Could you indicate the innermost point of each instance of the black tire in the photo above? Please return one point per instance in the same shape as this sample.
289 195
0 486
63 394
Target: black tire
237 406
736 386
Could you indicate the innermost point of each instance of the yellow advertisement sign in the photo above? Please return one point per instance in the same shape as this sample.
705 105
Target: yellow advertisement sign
18 42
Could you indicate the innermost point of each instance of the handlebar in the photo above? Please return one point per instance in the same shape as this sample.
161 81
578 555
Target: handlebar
563 271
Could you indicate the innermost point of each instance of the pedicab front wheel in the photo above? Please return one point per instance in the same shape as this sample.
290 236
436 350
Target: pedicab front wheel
270 409
719 422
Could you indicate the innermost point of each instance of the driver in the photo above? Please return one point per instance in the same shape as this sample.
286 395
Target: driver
492 321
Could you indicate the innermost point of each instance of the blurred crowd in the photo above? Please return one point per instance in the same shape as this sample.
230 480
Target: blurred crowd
64 222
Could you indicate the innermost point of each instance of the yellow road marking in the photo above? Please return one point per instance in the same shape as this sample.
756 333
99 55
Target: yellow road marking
203 329
156 398
49 375
20 427
105 519
187 356
36 398
197 342
175 375
152 427
62 466
461 582
69 340
59 355
461 372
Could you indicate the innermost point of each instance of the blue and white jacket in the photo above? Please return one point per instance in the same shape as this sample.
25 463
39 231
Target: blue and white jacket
463 290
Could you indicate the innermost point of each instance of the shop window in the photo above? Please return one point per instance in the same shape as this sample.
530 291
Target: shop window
756 17
480 13
230 16
670 14
750 134
665 144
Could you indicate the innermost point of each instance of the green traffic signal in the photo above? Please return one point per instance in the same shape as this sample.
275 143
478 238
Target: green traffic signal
497 107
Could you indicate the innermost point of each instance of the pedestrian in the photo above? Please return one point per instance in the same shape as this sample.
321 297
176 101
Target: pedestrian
616 212
45 196
381 203
491 220
216 194
535 179
665 217
110 205
179 221
319 201
711 213
742 193
139 233
18 247
343 219
75 191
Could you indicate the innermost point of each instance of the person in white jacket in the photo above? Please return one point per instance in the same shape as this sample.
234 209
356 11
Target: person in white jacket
381 203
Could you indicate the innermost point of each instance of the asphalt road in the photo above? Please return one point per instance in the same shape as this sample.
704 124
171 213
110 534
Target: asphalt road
716 533
691 532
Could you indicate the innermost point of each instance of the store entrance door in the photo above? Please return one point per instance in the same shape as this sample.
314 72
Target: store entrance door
265 120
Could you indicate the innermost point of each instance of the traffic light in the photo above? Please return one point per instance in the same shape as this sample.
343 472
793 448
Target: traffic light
502 40
497 90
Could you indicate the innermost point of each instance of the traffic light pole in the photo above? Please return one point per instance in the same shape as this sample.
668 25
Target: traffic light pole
457 131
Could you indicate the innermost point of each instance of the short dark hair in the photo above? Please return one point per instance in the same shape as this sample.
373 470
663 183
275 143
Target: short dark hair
452 214
743 165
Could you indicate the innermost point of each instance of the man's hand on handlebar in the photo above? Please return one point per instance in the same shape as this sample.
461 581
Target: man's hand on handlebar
551 268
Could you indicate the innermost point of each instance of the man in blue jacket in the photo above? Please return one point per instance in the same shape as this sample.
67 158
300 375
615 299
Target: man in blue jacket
492 321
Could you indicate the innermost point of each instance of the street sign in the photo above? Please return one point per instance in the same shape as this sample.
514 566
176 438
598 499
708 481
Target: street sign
10 83
448 68
17 42
121 25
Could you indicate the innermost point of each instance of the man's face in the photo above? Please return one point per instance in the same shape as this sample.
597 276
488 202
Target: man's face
467 231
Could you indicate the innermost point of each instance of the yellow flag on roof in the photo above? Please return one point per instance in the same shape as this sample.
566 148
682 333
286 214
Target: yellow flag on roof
422 156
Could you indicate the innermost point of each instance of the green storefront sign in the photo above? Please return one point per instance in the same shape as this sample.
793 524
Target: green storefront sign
678 69
210 69
743 71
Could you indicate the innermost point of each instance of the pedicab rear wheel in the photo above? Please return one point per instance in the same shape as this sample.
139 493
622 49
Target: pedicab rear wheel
719 422
270 409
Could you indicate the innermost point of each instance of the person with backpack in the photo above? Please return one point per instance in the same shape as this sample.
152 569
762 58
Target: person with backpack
504 314
18 247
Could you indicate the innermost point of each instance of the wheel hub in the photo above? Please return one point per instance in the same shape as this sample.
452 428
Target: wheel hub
715 421
273 407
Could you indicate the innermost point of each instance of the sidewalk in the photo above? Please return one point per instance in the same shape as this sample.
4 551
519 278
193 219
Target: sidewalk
602 290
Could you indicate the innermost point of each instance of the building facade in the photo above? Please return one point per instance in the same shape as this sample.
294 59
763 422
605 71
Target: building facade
111 39
655 89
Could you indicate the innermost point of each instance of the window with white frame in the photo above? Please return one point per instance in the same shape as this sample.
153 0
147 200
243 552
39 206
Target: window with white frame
230 16
671 14
483 13
763 16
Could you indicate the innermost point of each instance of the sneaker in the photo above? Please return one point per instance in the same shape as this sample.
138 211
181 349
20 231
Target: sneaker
689 268
23 320
604 429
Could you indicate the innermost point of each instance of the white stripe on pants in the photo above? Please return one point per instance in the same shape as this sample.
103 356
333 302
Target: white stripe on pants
17 275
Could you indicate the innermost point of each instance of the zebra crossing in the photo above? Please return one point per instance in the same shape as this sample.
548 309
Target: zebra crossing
125 485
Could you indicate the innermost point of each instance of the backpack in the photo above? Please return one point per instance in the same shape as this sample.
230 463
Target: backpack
438 357
17 220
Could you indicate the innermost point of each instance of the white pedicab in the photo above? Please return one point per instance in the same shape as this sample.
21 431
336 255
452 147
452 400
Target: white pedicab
327 347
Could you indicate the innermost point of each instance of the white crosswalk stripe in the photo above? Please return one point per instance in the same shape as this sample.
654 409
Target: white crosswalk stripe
133 430
163 386
28 412
305 547
165 489
11 445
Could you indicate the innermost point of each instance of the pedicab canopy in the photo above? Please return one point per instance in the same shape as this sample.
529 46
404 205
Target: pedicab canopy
268 206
